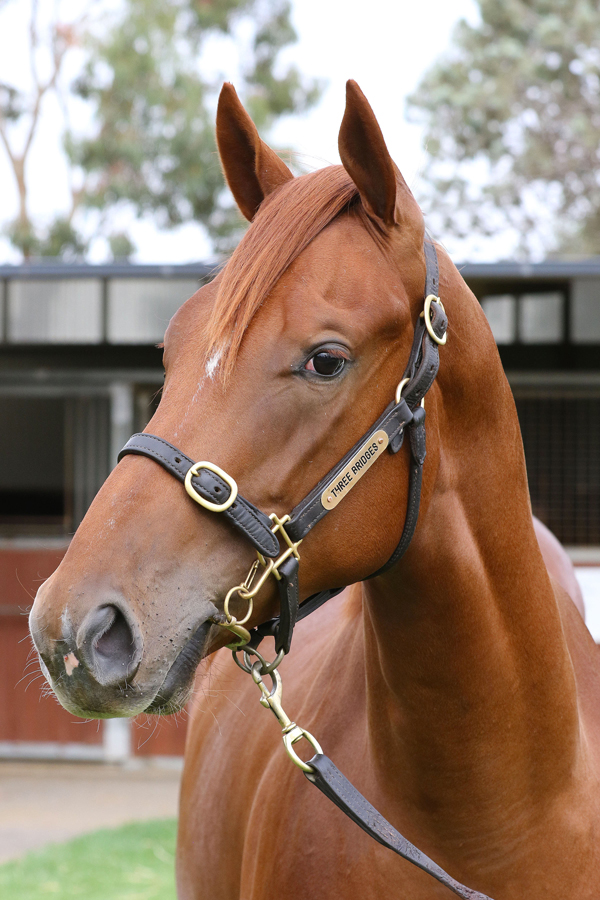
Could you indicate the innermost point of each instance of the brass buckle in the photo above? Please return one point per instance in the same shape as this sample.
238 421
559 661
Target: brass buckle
213 507
292 547
431 298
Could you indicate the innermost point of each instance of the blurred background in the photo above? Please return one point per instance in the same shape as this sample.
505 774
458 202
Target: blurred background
113 212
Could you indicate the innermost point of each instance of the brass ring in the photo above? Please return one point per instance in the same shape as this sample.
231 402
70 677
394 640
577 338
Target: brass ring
399 389
291 738
213 507
261 666
242 665
431 298
231 619
399 392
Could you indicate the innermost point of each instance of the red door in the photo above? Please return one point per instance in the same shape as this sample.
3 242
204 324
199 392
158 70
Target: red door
28 712
32 722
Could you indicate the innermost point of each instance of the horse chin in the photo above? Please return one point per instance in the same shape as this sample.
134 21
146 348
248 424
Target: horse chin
175 690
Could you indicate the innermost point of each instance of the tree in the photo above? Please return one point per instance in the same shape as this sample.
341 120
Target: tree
512 120
149 142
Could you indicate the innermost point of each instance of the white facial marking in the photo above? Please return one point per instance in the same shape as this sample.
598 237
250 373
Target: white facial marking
213 364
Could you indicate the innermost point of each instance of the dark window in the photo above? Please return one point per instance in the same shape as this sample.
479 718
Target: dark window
561 436
87 453
32 462
54 456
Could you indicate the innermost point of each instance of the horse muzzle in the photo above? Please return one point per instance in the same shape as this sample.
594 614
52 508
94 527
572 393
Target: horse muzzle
98 668
91 666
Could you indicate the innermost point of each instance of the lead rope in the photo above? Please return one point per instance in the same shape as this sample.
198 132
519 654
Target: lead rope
321 772
206 483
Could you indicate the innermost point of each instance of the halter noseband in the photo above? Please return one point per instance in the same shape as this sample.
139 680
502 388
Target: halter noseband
216 491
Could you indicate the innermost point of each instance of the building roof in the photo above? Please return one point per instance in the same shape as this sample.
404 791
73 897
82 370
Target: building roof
585 268
561 269
55 269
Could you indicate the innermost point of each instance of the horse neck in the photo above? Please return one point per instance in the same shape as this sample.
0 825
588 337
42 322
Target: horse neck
469 678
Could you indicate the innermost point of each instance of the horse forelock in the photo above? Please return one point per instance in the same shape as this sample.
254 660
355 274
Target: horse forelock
286 223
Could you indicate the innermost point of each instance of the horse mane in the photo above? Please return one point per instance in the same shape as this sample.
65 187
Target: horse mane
285 224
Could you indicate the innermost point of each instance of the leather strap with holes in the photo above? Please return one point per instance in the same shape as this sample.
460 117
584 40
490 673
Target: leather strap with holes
242 514
336 787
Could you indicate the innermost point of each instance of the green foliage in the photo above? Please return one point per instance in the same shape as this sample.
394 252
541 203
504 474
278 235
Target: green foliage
22 235
151 145
154 145
62 240
512 121
121 247
59 240
135 862
11 103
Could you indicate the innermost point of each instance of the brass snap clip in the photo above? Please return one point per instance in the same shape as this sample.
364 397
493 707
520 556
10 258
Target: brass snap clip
271 699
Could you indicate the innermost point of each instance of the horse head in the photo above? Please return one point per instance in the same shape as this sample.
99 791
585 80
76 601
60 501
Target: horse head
272 372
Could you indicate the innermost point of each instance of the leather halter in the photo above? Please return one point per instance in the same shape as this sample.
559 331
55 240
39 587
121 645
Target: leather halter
216 491
405 413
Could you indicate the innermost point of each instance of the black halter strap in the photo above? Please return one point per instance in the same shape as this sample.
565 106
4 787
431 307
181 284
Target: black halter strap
404 414
253 523
336 787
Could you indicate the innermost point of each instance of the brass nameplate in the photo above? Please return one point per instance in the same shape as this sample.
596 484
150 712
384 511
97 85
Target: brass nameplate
356 468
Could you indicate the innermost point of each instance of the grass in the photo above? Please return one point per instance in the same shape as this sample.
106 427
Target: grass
134 862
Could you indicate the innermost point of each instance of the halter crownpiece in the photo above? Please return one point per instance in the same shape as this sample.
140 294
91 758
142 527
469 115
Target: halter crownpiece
276 541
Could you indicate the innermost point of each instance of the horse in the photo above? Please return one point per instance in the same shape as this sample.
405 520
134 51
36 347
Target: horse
457 688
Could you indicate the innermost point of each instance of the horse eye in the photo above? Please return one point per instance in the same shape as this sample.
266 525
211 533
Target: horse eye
326 364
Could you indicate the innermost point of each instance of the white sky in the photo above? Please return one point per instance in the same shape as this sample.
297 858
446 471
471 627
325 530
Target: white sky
386 45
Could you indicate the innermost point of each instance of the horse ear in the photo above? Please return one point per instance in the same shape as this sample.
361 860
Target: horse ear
366 158
251 168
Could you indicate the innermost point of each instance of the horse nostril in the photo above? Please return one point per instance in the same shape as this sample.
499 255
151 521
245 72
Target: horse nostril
110 645
117 640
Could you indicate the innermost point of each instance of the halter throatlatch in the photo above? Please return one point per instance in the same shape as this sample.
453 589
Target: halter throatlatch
276 541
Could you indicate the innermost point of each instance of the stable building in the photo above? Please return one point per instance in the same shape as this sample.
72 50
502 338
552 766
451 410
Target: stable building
546 321
80 372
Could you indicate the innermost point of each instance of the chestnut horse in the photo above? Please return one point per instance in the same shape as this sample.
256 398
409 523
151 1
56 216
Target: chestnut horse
458 690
